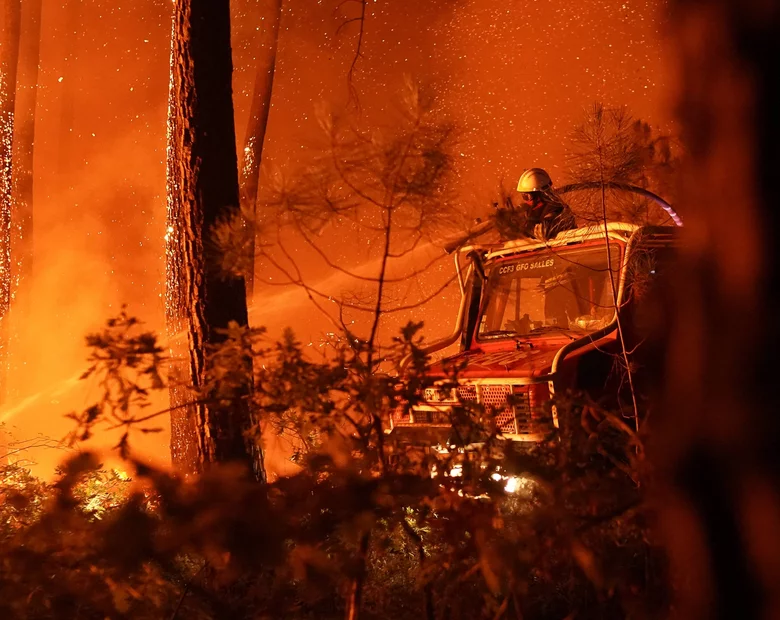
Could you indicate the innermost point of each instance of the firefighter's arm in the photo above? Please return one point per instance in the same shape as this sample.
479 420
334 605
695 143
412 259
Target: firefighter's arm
555 223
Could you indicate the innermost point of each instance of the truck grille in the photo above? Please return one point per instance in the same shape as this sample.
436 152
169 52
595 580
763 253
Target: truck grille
516 411
451 395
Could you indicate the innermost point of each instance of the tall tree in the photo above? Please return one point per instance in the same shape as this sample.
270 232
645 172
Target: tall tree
258 122
720 429
10 29
202 190
24 140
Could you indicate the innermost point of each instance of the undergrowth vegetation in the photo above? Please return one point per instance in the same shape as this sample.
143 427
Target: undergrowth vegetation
371 526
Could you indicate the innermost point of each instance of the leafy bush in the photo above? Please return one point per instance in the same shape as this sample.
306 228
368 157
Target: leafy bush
369 525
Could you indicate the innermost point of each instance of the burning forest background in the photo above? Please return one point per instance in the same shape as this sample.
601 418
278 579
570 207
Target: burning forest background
513 78
105 170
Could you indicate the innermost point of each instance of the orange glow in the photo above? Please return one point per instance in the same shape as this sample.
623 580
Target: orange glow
514 79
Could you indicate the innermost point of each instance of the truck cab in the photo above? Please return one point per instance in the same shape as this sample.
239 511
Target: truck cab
542 318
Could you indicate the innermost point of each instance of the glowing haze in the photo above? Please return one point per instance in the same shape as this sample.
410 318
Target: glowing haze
514 76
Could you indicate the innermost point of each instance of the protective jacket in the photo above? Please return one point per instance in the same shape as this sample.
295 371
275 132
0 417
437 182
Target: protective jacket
552 217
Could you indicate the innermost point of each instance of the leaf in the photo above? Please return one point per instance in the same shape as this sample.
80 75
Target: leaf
587 563
119 596
80 464
17 501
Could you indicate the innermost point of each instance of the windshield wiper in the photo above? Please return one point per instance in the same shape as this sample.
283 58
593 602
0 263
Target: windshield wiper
520 339
550 328
498 333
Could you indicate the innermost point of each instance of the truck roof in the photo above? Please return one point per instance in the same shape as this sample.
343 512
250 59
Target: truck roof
615 230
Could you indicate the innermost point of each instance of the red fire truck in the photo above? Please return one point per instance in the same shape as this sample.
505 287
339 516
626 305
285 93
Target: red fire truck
540 318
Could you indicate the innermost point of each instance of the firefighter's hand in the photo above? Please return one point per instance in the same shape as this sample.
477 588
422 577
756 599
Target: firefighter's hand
539 232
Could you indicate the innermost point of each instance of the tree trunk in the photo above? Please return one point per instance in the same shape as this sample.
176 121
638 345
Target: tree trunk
202 188
27 97
258 119
720 429
9 58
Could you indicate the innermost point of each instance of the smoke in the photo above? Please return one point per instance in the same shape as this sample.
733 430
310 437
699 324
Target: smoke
506 74
98 247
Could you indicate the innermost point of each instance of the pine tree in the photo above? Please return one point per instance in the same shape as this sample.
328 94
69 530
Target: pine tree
24 140
258 123
10 29
609 146
202 189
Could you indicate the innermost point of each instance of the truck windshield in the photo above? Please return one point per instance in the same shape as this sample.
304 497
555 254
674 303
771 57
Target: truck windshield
559 289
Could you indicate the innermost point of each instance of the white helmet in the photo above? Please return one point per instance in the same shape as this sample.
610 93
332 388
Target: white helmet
534 180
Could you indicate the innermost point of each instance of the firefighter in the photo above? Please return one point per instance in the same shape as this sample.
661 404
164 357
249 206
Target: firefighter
543 214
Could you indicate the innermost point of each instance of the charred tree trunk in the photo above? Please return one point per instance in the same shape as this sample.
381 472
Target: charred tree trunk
10 29
27 97
202 188
721 430
258 120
